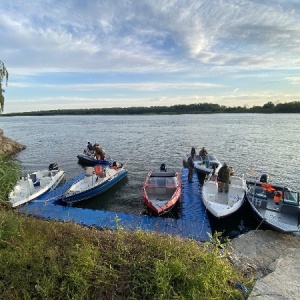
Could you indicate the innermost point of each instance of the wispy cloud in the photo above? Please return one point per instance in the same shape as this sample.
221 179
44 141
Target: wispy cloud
141 44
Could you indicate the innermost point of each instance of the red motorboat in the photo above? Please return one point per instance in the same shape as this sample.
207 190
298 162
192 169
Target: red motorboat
161 191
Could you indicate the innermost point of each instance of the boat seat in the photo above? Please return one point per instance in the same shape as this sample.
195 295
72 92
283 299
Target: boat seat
151 181
161 182
89 171
35 180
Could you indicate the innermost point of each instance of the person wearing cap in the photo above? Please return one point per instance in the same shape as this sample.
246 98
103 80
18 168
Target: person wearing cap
224 178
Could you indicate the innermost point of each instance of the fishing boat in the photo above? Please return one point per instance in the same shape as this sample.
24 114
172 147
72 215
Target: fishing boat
204 166
208 165
161 191
221 204
35 184
87 158
95 181
273 204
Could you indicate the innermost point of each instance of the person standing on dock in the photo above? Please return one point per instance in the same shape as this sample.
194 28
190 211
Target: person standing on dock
190 163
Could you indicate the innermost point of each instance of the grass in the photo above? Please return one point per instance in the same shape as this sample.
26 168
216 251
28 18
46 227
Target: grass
9 174
42 259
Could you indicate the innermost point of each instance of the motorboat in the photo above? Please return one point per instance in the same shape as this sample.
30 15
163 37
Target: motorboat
35 184
95 181
222 204
210 164
87 158
273 204
161 191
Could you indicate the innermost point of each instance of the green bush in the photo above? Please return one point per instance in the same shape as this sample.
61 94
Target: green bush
9 174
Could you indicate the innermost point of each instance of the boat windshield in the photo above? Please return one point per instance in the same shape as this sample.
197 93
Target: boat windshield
290 197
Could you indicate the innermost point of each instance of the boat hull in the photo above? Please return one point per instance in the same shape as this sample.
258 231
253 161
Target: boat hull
92 188
161 191
90 161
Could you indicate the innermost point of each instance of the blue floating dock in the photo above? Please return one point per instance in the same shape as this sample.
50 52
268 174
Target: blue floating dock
194 223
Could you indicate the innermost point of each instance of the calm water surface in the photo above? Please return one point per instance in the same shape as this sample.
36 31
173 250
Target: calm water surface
252 143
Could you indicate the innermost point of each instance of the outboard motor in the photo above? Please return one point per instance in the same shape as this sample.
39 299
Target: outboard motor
53 166
264 178
163 167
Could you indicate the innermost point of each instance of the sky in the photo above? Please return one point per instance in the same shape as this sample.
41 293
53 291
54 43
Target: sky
76 54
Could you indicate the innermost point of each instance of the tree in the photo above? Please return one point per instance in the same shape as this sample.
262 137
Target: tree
269 105
3 77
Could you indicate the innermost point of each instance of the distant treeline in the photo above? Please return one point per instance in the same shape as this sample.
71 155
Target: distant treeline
200 108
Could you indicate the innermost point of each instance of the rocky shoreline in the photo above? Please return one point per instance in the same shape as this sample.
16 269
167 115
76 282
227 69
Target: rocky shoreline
274 260
8 146
272 257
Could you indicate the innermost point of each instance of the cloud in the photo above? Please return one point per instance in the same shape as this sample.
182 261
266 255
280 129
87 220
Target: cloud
150 45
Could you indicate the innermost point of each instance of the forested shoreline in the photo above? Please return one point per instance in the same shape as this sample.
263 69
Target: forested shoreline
200 108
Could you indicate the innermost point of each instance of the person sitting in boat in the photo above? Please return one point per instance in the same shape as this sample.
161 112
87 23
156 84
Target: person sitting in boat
95 146
163 167
203 153
89 146
99 153
115 166
224 178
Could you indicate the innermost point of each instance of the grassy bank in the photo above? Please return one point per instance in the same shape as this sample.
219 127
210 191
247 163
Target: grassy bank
42 259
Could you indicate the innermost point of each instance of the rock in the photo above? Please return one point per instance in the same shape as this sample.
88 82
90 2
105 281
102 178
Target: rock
273 259
283 283
9 147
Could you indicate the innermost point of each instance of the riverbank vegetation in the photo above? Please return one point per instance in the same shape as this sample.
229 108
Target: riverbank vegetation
200 108
42 259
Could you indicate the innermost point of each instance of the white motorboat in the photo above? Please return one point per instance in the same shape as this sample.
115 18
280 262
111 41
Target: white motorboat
36 184
221 204
208 165
96 181
204 166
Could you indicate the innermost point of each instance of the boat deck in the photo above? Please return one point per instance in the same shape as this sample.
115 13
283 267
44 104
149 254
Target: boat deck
193 224
271 212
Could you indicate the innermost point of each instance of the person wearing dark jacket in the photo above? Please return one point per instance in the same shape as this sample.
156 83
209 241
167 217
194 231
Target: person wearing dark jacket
190 163
90 146
224 178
